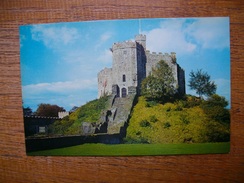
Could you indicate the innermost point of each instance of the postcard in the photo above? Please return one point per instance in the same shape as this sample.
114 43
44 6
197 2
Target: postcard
133 87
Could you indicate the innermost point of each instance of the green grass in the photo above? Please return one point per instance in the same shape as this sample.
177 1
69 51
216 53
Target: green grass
136 149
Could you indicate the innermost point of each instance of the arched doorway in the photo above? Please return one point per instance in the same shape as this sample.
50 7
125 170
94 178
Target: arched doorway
124 92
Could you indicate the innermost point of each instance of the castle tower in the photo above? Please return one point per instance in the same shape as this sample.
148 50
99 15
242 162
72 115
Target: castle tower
141 39
141 59
131 64
124 67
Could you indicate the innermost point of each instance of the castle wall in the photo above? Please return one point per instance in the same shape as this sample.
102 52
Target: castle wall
181 79
37 124
141 65
153 58
104 82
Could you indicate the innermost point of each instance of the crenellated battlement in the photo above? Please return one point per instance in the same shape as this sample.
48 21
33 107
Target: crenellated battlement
172 54
131 64
123 45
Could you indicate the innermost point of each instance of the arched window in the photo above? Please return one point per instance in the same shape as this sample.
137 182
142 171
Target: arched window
124 78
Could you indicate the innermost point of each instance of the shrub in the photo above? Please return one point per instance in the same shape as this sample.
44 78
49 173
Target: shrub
168 109
218 132
167 125
191 101
184 119
178 108
153 118
138 133
151 103
145 123
215 109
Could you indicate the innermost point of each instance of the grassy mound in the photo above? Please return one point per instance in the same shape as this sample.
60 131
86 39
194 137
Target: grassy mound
176 122
70 125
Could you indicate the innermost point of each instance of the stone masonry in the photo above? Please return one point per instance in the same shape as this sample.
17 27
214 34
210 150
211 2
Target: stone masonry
131 64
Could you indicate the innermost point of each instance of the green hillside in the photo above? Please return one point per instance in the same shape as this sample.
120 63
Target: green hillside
189 120
70 125
184 121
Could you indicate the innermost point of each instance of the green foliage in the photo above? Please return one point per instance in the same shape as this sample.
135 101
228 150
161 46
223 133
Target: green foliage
159 85
145 123
71 124
48 110
153 118
193 101
151 103
188 102
167 125
184 118
60 127
138 133
218 132
200 81
214 108
174 123
216 100
178 108
168 108
91 111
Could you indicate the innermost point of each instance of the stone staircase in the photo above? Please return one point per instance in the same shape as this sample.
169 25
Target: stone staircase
120 112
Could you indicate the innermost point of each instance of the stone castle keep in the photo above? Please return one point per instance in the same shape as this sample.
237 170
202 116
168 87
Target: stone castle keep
131 64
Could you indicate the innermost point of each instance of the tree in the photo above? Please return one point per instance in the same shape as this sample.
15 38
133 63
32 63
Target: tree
27 111
200 81
159 85
214 108
48 110
216 100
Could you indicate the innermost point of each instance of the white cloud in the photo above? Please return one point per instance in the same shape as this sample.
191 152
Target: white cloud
54 36
210 33
66 94
67 87
170 37
184 37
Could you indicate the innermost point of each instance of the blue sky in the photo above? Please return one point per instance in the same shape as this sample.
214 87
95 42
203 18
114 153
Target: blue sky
60 61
